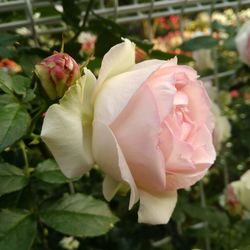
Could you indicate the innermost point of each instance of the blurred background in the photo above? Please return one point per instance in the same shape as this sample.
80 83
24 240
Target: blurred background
213 214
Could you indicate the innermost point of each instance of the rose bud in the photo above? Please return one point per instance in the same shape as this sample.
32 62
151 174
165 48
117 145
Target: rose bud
56 73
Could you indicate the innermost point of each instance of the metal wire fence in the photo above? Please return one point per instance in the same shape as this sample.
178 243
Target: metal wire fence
121 13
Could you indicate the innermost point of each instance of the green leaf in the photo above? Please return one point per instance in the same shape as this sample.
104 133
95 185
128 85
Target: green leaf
229 44
5 82
11 178
214 217
71 12
48 171
144 45
7 53
217 26
14 122
158 54
20 84
7 99
17 230
201 42
79 215
7 39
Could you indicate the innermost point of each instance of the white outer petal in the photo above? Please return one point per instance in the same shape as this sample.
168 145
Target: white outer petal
64 133
156 208
118 90
117 60
110 187
109 157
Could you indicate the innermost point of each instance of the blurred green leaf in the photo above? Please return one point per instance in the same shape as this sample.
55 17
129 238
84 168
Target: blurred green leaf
229 44
79 215
11 178
14 122
6 99
201 42
217 26
108 34
17 230
214 217
48 171
6 83
29 57
20 84
158 54
7 53
7 39
71 12
144 45
17 83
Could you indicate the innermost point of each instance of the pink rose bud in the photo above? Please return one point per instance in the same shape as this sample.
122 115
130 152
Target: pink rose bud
56 73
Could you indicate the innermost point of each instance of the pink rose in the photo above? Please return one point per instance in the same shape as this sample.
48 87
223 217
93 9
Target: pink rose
242 41
147 125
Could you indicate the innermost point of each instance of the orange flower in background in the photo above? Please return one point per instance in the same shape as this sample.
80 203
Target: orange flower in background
10 65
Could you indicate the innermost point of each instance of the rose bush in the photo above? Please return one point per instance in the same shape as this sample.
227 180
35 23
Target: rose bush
146 125
242 41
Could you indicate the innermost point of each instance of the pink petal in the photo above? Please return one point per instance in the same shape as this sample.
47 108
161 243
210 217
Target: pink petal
177 181
199 104
137 130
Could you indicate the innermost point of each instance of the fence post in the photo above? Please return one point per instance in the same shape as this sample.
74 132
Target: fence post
29 15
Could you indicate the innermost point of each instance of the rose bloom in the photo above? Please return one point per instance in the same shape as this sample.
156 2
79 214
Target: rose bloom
239 191
87 41
242 41
147 125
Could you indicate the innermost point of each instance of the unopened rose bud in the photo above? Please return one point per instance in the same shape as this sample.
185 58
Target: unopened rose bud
56 73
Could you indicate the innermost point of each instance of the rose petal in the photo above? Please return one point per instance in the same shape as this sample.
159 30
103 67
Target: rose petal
156 208
202 142
199 103
137 130
117 60
177 181
110 187
118 91
64 133
109 157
